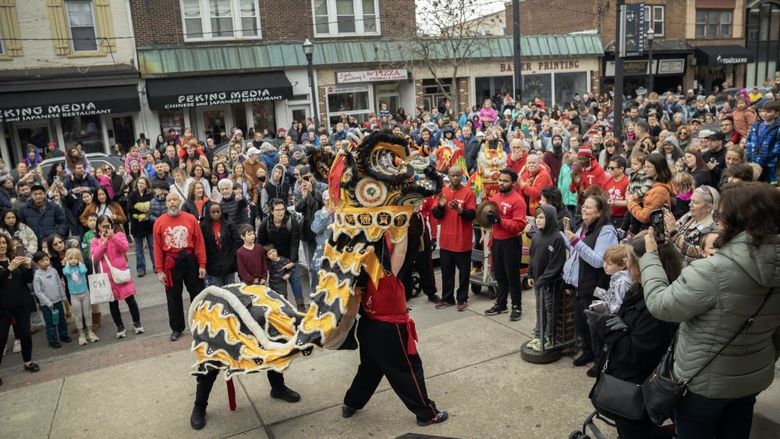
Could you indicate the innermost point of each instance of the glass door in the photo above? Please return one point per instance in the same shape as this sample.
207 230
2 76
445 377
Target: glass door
239 118
37 133
121 131
213 124
300 113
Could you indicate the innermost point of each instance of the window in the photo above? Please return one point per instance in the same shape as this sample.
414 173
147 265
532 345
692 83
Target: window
345 17
713 23
82 25
220 19
654 16
349 101
2 47
84 129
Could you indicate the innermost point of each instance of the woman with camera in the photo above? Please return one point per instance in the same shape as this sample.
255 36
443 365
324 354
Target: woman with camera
728 339
688 233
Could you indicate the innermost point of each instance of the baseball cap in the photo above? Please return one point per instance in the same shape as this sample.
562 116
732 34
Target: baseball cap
717 135
253 151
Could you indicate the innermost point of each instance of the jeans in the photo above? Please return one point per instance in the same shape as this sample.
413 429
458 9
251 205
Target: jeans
309 248
52 330
545 296
220 281
140 258
295 283
697 417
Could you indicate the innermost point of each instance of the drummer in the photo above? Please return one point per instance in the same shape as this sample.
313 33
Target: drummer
508 221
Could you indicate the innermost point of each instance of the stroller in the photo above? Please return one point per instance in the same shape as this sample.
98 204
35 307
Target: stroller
592 431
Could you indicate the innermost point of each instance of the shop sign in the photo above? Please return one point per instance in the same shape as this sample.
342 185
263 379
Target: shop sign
38 112
371 76
731 59
224 98
346 89
537 66
634 67
671 66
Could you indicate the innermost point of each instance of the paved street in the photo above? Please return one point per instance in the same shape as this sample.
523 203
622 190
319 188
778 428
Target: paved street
140 387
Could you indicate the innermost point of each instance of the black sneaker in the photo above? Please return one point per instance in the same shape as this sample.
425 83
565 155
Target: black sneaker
516 314
286 394
593 372
66 339
495 310
175 335
440 417
347 411
198 418
583 360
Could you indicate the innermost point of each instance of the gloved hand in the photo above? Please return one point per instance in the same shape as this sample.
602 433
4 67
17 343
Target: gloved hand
493 218
615 323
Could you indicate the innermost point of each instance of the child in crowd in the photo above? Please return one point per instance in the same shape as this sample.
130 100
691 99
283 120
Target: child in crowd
250 257
87 260
638 184
104 178
683 185
51 294
548 256
76 275
157 208
615 265
279 270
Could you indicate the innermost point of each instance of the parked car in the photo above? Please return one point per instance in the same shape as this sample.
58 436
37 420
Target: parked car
96 159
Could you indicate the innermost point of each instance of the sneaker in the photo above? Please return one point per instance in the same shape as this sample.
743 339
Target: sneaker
548 343
462 307
198 418
286 394
516 314
141 273
17 346
55 345
347 411
495 310
138 328
120 332
66 339
92 337
82 340
175 335
593 372
534 344
583 360
433 298
440 417
443 304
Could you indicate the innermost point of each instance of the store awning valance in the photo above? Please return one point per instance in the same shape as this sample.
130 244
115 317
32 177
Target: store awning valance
723 55
205 91
47 104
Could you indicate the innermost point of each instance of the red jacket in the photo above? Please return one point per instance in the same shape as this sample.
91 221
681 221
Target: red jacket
595 174
533 187
456 229
511 209
173 234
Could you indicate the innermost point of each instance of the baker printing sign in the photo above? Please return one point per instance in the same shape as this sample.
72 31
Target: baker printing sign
224 97
37 112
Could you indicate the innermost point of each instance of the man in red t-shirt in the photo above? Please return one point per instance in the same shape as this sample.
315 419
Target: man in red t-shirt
508 224
615 188
455 211
179 259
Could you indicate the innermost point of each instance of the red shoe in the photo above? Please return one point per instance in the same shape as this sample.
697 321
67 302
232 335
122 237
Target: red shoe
443 304
462 307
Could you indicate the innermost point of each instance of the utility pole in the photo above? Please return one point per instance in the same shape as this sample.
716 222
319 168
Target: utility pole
619 39
518 95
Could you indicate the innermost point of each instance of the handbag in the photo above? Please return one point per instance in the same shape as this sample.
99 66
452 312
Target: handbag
118 276
617 398
662 391
99 287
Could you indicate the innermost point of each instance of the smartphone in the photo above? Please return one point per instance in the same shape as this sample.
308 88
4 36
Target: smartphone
598 306
657 223
566 223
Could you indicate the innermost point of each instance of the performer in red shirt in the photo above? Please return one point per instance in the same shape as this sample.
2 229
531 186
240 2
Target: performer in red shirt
615 187
532 180
179 259
508 224
455 211
387 346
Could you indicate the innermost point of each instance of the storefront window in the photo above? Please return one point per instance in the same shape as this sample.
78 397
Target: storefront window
538 86
568 84
493 88
84 129
171 119
263 115
388 94
351 103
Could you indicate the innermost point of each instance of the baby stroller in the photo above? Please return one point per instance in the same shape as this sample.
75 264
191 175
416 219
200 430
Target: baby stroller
592 431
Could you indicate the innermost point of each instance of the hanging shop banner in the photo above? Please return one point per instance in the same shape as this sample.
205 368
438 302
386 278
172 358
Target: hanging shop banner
633 30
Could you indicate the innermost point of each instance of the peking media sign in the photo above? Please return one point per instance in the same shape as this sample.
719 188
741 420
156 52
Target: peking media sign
632 32
223 98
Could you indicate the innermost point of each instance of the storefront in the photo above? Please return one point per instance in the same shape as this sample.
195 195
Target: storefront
763 41
718 64
86 111
213 105
363 92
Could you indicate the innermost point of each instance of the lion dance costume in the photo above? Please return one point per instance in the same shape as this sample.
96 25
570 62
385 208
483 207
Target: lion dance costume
374 187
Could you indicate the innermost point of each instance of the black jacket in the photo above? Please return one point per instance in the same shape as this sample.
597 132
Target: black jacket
235 210
285 239
220 259
548 251
635 352
48 220
14 292
308 206
139 228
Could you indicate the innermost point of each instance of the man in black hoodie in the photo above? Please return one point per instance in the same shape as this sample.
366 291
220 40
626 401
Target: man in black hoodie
548 256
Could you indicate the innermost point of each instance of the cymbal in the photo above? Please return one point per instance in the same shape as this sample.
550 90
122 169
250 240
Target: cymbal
482 213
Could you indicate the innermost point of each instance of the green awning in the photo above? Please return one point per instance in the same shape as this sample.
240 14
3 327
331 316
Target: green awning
180 61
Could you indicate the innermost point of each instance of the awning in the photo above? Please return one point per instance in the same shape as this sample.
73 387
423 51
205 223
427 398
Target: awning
47 104
205 91
723 55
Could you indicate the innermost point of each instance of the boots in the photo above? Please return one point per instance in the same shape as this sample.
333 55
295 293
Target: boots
95 321
301 306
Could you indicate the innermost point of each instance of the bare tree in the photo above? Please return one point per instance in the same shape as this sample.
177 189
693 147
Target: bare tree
448 35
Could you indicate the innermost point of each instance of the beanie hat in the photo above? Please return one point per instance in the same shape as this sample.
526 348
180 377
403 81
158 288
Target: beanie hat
585 151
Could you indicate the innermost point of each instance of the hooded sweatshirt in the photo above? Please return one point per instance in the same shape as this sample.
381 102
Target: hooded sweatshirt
47 287
548 251
278 188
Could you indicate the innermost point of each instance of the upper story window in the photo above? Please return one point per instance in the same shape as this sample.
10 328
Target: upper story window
2 47
713 23
81 21
654 16
220 19
345 17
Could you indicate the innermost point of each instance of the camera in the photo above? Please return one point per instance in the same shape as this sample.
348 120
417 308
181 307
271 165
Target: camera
657 223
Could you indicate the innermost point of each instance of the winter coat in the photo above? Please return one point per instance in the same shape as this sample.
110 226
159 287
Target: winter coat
115 250
763 147
220 259
191 207
659 196
138 210
14 290
564 181
286 239
307 207
585 267
743 120
26 234
157 208
235 210
48 220
711 299
548 251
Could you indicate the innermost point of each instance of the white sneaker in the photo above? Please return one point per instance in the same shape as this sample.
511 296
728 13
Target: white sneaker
121 334
139 329
92 337
82 340
17 346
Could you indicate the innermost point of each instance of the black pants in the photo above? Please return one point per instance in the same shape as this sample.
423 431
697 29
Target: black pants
422 263
184 274
206 382
21 330
383 352
116 316
582 303
506 269
449 262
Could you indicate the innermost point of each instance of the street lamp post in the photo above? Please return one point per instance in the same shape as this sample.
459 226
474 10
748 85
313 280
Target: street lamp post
650 38
308 49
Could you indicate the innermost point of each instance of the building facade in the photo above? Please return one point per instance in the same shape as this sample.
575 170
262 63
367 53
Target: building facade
762 39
